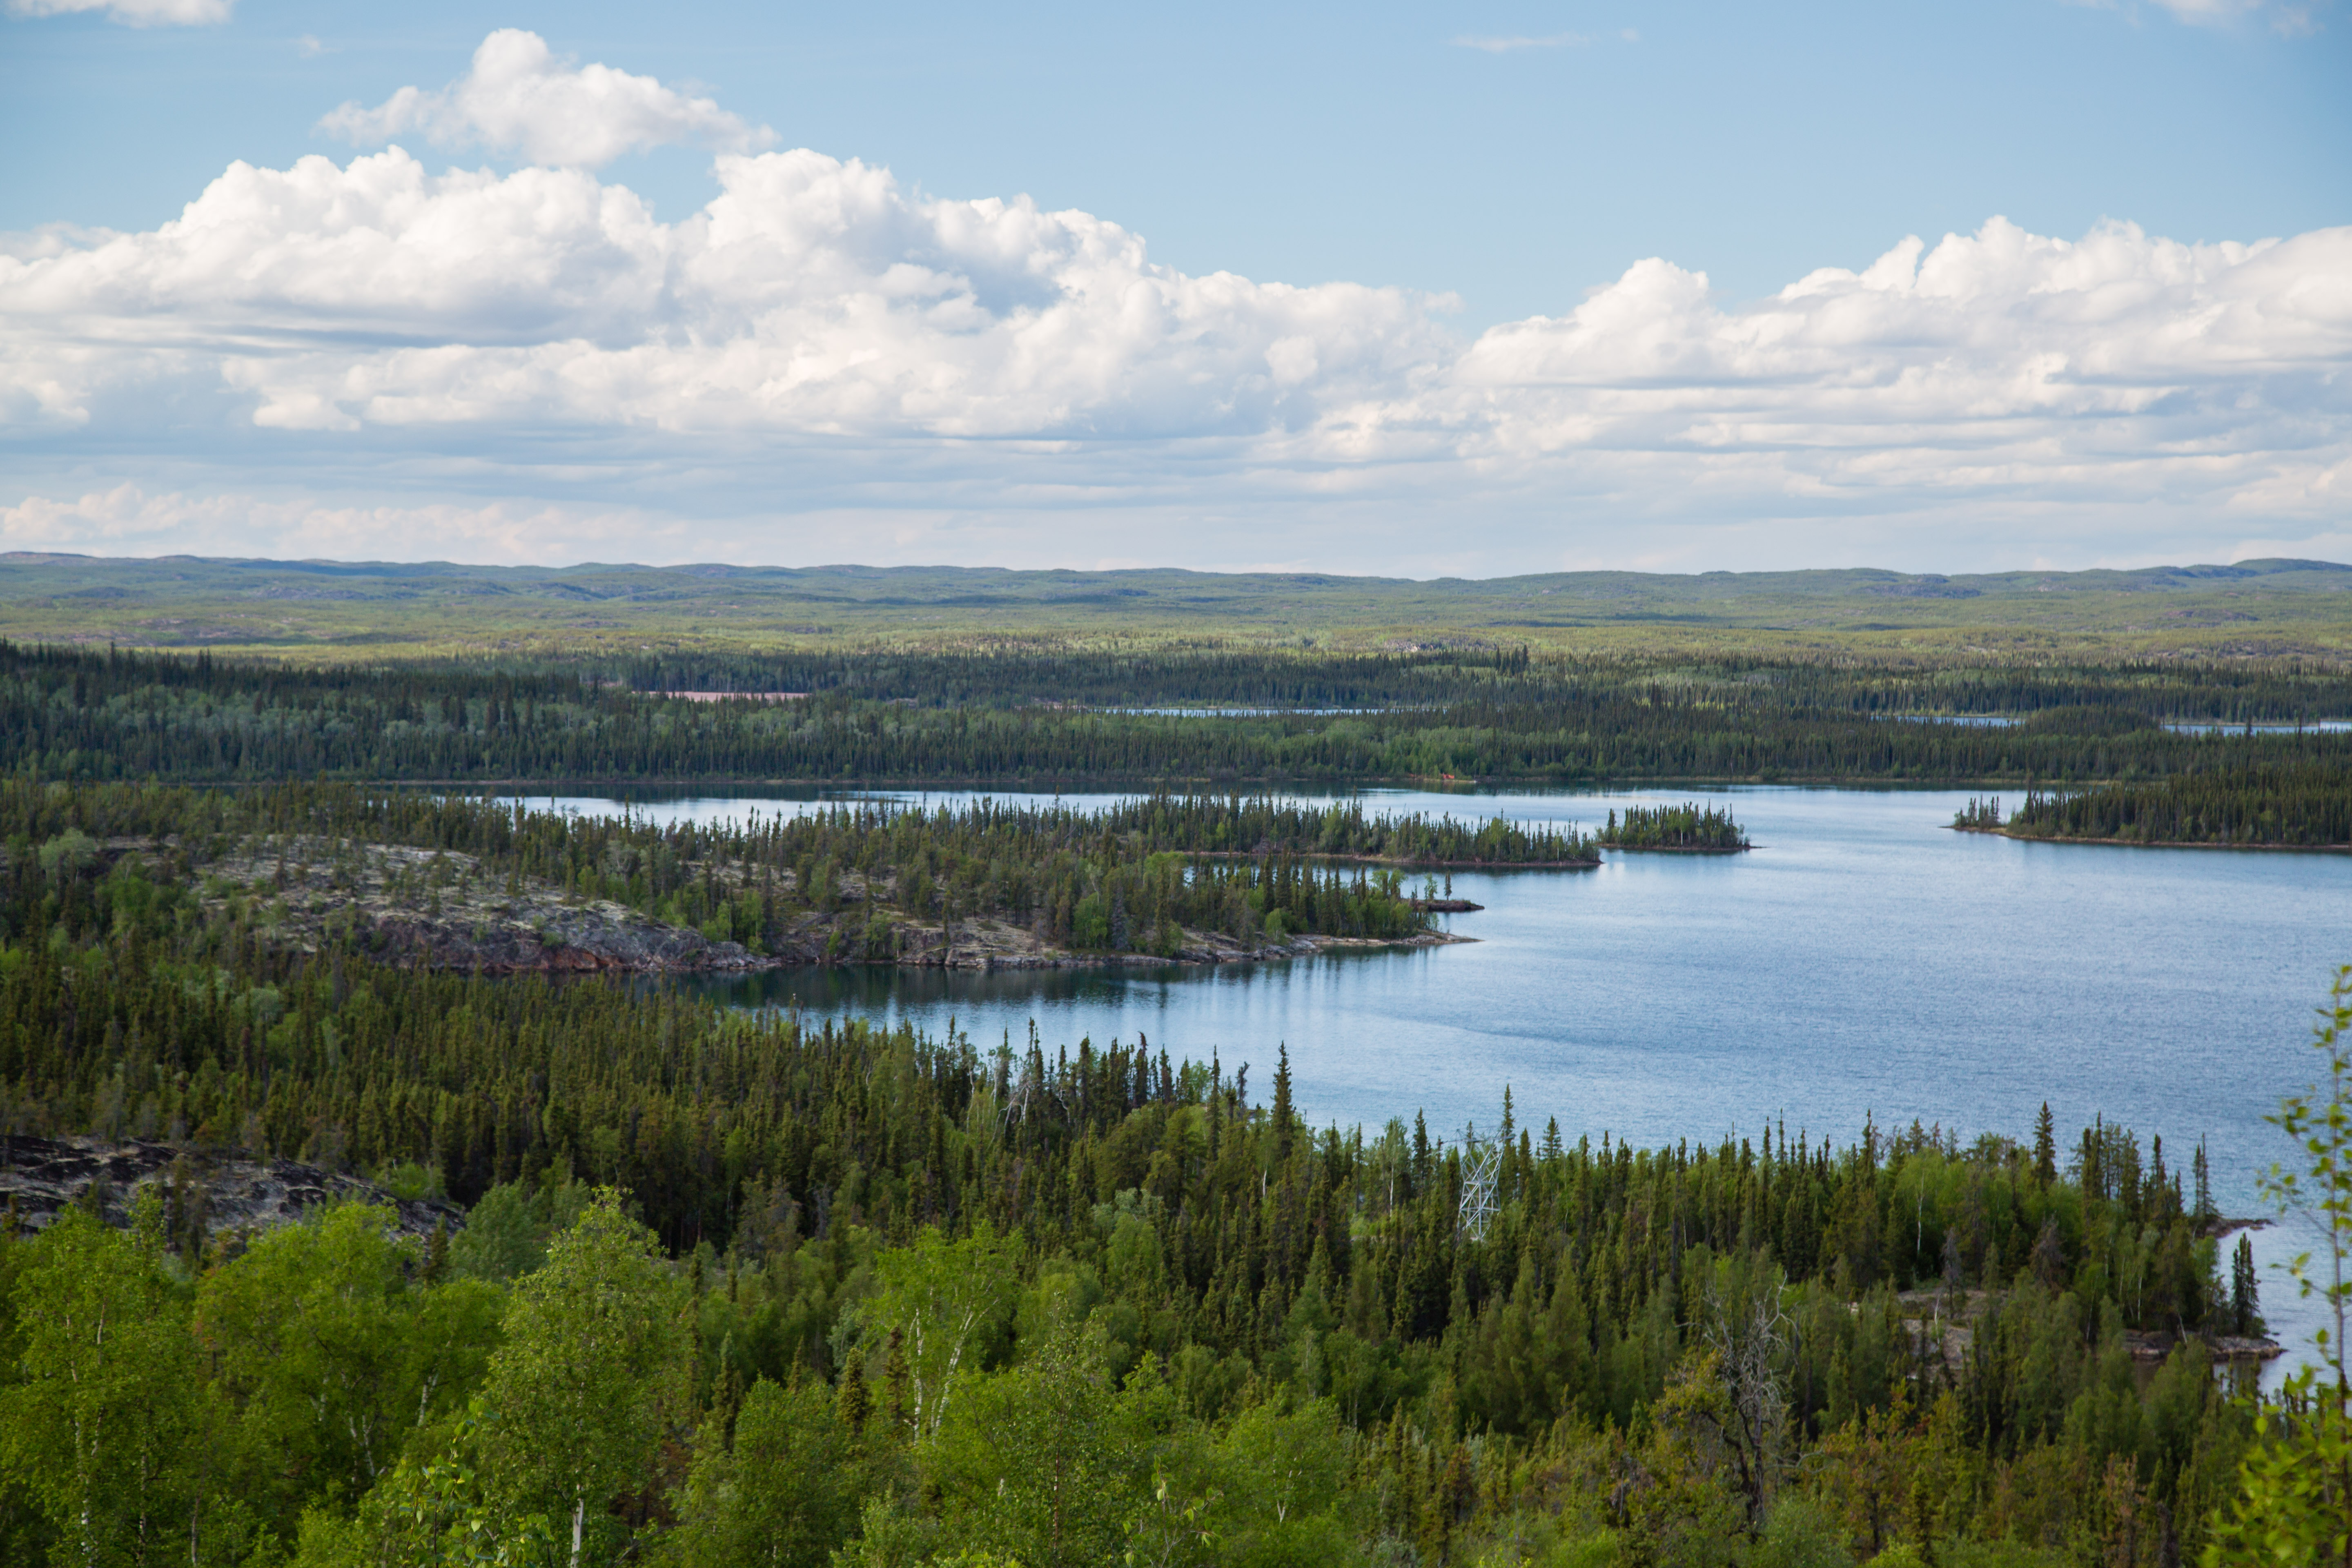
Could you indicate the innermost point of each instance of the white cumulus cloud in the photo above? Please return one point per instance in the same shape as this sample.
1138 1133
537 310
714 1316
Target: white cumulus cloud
520 97
818 339
2001 363
134 13
809 295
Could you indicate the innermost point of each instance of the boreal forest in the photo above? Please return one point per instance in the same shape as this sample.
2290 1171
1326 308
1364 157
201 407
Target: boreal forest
382 1198
2222 751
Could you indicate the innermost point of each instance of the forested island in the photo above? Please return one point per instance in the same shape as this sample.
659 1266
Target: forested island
470 883
1688 828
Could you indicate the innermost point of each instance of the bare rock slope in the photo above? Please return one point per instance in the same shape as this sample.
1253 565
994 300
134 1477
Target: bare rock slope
218 1190
444 909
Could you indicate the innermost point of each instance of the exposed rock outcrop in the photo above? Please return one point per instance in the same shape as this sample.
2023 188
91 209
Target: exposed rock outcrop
220 1189
444 909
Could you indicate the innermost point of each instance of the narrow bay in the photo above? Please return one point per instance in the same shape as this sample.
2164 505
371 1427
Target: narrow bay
1864 961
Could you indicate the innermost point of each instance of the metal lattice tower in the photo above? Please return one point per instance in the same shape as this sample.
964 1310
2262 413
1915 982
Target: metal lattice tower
1481 1163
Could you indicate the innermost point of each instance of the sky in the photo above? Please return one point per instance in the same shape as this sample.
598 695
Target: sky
1408 290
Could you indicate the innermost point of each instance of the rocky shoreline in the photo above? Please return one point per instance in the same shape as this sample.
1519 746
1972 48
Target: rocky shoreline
442 910
1399 863
990 944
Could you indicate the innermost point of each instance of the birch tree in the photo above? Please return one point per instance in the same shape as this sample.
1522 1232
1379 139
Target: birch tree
104 1427
945 1299
590 1369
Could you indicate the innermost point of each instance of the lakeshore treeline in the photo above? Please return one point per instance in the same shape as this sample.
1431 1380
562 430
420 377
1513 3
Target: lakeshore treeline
738 1289
1130 878
2288 805
78 715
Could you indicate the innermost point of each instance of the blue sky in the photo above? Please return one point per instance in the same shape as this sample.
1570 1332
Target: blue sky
1306 143
1487 166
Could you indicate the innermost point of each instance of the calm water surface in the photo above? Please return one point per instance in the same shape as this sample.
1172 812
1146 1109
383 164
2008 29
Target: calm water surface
1864 961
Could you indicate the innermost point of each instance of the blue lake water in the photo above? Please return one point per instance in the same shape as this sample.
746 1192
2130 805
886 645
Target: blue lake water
1862 961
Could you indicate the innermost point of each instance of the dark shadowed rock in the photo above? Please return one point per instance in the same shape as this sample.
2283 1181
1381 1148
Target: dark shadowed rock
39 1176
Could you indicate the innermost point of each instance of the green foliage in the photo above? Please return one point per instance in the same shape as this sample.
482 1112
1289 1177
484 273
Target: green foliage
1279 1475
936 1304
2296 1501
586 1375
1119 878
782 1492
333 1354
506 1234
1043 1463
433 1511
1800 1533
107 1421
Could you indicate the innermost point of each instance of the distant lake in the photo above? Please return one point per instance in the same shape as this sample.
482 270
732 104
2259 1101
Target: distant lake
1864 960
2178 726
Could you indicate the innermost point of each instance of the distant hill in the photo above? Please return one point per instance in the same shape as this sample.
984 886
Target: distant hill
2269 607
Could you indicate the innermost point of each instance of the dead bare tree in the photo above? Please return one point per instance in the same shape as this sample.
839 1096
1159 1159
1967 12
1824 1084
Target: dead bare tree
1751 1355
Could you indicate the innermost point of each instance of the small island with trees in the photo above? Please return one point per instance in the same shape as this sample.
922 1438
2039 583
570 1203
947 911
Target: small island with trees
1688 829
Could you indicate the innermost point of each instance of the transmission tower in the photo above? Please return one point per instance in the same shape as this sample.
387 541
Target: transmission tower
1480 1164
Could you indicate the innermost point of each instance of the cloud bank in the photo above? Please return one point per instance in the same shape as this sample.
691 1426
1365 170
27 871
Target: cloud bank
988 379
132 13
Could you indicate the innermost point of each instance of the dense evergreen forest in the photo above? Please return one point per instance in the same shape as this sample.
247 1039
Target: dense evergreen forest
978 718
2285 804
737 1289
2273 691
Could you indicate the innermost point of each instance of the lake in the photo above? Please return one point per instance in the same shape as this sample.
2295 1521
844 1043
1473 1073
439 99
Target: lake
1862 961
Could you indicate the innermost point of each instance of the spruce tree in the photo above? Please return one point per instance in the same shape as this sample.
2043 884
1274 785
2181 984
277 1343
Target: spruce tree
2245 1290
851 1401
1282 1113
